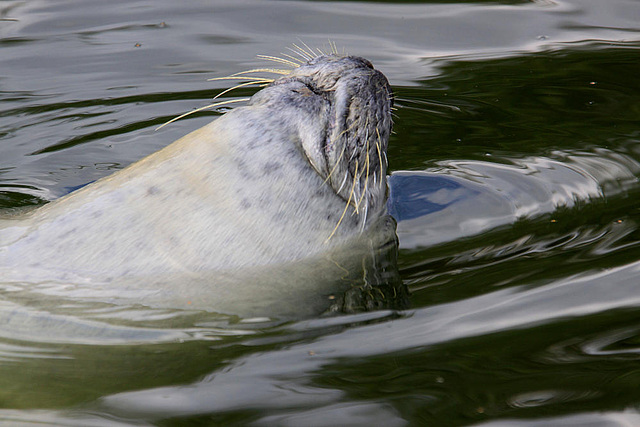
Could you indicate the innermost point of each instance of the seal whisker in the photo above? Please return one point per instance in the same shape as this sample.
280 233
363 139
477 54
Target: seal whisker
301 53
346 175
353 154
280 60
379 150
363 217
363 191
345 208
334 167
293 58
334 48
324 50
365 171
366 177
309 50
344 147
320 51
254 79
264 70
355 190
242 85
366 185
206 107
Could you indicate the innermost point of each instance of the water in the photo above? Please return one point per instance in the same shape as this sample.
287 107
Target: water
515 164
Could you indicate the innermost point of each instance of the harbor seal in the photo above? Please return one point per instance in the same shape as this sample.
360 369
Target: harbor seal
297 173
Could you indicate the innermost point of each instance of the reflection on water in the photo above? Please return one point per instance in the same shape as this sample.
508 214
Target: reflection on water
464 198
515 188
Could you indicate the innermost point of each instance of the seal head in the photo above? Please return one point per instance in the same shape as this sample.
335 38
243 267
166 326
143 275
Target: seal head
353 102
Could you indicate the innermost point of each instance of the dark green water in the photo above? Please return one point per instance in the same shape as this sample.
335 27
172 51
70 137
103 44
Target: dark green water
525 278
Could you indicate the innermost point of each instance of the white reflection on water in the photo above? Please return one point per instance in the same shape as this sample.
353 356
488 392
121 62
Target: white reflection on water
477 196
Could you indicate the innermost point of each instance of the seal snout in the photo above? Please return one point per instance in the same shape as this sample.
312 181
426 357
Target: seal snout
359 100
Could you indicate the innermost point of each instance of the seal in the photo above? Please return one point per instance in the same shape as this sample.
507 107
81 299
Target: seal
298 172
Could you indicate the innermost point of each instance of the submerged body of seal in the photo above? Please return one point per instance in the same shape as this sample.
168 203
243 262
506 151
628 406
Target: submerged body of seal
299 171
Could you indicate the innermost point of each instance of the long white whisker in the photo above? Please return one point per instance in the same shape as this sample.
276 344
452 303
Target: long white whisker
344 180
344 148
379 149
302 54
366 175
264 70
334 48
254 79
293 58
309 50
345 208
239 86
363 217
206 107
280 60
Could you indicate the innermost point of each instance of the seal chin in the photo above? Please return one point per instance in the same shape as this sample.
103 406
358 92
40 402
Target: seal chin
350 103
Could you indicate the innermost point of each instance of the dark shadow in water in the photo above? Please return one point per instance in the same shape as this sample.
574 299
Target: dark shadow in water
411 196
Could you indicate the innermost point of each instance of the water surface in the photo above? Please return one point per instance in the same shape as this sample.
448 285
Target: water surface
515 166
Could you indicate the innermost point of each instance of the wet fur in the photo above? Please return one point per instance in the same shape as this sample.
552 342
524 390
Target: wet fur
289 177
